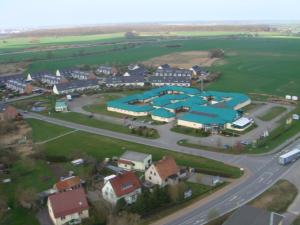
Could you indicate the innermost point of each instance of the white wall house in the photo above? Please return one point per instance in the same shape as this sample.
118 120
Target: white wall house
122 186
127 112
134 161
163 172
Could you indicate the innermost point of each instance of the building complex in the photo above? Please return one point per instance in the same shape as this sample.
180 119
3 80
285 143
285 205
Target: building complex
189 107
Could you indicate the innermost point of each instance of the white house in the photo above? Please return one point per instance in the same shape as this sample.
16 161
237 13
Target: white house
69 207
135 161
122 186
163 172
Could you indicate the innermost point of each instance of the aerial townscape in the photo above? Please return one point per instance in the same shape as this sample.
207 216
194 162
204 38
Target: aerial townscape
134 121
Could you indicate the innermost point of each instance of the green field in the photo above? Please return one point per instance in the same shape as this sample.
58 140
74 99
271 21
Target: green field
265 64
272 113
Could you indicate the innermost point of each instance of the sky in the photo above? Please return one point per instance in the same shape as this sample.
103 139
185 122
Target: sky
45 13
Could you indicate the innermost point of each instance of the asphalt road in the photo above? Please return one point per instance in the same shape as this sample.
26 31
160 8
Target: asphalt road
264 171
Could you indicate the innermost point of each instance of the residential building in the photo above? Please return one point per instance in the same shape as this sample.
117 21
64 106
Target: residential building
199 71
174 72
136 70
61 106
51 79
158 81
125 186
106 70
68 184
75 86
5 78
69 207
7 112
163 172
249 215
134 161
125 81
19 86
164 66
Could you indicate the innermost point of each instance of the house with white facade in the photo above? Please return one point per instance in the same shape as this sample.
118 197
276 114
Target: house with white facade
125 186
75 86
163 172
69 207
134 161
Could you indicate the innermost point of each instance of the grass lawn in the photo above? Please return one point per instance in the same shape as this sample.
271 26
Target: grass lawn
38 176
189 131
210 148
277 198
297 221
48 130
102 147
277 136
272 113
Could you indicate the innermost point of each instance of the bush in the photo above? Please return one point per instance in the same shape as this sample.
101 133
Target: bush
57 158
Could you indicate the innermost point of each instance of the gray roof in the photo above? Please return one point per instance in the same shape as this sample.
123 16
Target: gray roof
5 78
2 106
76 84
134 156
124 79
248 215
169 79
174 71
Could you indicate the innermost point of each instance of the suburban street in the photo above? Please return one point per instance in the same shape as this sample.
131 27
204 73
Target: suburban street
262 172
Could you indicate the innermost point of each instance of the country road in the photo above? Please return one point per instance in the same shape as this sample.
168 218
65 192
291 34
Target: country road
263 171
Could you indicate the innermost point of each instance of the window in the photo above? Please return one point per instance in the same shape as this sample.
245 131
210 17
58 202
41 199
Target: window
150 178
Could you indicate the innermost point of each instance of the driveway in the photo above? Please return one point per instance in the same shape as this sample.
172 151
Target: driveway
43 217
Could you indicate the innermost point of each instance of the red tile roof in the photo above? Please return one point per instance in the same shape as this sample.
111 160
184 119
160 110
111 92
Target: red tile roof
67 183
125 183
66 203
166 167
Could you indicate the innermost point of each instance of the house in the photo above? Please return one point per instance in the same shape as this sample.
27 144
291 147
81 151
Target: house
164 66
106 70
51 79
248 215
75 86
69 207
163 172
134 161
7 112
137 70
158 81
122 186
174 72
68 184
19 86
125 81
61 106
5 78
199 71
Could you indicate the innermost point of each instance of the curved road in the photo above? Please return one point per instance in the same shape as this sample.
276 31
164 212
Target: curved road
263 172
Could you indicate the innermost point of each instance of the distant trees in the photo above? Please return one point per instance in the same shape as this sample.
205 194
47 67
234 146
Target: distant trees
217 53
131 34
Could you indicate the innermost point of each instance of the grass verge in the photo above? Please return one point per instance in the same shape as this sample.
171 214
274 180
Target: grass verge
272 113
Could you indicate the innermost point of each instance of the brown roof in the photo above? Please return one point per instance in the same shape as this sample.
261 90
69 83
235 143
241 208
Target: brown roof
125 183
67 183
66 203
166 167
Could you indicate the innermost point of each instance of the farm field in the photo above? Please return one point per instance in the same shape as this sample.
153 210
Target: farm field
271 61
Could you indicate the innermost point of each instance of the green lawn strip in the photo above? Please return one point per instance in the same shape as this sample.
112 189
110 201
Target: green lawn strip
200 191
278 136
230 150
272 113
86 120
277 198
189 131
44 131
103 147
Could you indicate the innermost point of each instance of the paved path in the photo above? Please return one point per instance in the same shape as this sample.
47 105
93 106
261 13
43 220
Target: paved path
263 171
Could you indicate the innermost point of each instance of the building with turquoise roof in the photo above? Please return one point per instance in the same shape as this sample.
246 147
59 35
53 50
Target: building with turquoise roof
191 107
